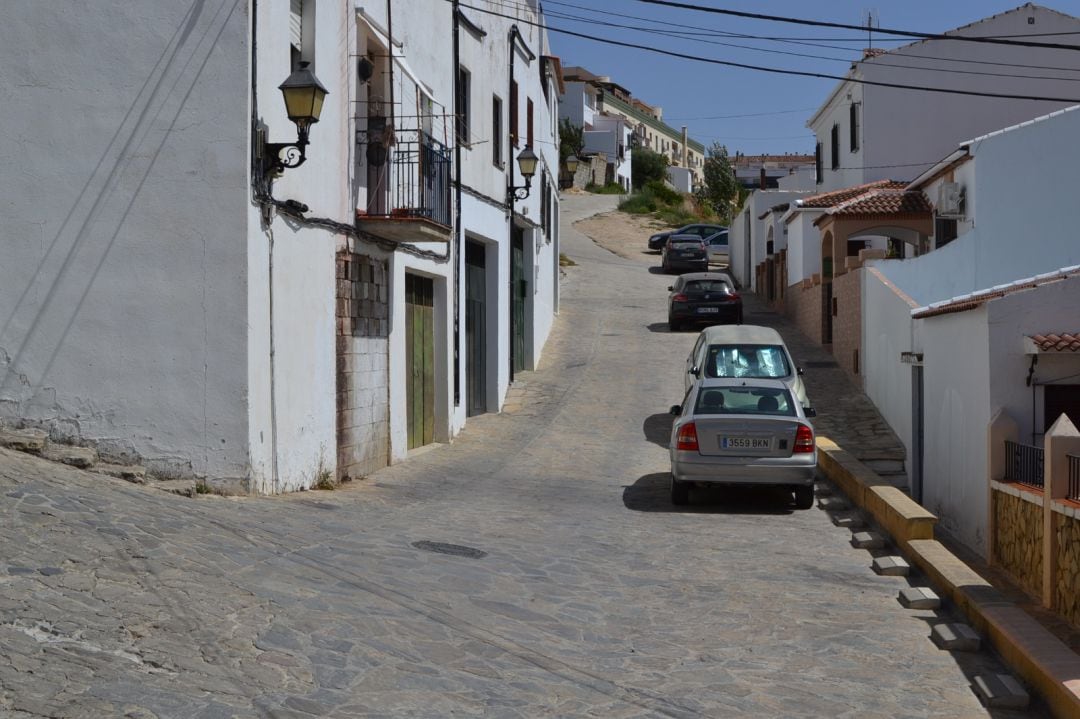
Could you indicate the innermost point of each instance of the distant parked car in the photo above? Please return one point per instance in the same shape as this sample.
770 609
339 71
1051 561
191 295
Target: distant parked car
742 431
684 253
703 298
748 352
656 242
717 247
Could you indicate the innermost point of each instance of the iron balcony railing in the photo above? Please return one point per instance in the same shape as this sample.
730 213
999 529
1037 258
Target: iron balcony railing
1024 464
408 175
1074 478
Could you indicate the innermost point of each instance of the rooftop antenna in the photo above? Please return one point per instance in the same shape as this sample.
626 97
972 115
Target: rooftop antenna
870 19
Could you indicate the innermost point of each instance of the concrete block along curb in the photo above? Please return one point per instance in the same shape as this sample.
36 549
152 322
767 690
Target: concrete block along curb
849 520
891 566
956 637
919 598
867 540
1000 691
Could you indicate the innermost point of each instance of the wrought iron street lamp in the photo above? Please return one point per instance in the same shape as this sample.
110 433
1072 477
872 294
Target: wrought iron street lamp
572 164
527 161
304 96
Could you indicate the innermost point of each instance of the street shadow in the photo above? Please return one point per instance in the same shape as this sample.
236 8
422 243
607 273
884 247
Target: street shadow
651 493
657 428
662 328
658 271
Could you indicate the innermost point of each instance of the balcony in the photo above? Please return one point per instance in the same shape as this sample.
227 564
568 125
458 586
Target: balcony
408 185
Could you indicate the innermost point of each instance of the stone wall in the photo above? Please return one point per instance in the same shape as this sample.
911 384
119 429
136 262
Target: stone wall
847 323
1067 581
1018 539
363 397
803 306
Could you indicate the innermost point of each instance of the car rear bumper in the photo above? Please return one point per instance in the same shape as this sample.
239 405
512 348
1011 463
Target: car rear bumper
793 470
701 265
726 314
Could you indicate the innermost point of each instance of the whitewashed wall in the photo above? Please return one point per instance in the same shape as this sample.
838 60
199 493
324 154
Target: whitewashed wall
123 284
956 411
803 245
836 110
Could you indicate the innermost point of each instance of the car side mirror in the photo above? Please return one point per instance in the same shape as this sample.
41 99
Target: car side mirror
810 412
800 371
694 371
676 410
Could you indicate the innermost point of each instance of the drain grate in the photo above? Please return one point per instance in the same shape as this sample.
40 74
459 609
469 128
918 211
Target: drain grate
823 364
454 550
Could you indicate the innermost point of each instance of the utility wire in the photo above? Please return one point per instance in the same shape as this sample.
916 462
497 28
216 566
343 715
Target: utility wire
878 63
773 70
685 30
861 28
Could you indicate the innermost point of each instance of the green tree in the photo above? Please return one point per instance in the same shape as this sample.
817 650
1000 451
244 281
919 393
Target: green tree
647 166
571 140
721 188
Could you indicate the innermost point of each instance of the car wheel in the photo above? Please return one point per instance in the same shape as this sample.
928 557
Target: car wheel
680 492
804 497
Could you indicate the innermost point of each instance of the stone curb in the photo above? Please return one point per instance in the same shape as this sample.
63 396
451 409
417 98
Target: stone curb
1031 651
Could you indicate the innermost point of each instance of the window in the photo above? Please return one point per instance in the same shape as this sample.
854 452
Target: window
944 231
463 109
528 122
301 33
834 147
745 400
817 164
755 361
513 113
496 131
853 117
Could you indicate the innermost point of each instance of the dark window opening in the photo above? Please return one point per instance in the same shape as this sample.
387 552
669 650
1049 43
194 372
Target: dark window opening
463 106
496 131
853 113
817 164
834 147
513 113
529 122
944 231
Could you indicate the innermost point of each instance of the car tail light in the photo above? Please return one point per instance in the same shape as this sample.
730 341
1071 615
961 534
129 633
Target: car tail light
804 440
679 298
733 296
687 438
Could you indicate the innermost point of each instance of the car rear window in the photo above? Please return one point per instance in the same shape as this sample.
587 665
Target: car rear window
702 286
745 400
755 361
685 244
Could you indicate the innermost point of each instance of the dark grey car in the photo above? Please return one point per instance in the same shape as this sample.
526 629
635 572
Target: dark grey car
684 253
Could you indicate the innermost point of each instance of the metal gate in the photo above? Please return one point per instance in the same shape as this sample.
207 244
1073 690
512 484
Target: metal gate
420 359
475 329
517 300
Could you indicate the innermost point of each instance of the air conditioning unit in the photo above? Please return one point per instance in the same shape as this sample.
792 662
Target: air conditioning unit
950 202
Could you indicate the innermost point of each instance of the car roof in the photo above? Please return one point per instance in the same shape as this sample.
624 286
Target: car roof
700 224
756 382
736 334
685 238
723 276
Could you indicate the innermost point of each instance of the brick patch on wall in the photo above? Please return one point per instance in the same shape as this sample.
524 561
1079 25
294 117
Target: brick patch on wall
1018 536
363 399
803 306
1067 581
847 323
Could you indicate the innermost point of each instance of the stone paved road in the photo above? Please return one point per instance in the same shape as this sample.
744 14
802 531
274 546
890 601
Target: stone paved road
594 598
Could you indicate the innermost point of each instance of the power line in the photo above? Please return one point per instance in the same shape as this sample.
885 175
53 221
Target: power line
777 71
818 43
749 114
653 31
845 26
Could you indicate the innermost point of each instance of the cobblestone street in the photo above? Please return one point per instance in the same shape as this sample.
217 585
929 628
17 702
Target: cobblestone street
563 582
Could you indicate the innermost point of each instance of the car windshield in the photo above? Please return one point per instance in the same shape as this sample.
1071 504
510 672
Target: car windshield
746 361
685 244
694 287
745 400
719 239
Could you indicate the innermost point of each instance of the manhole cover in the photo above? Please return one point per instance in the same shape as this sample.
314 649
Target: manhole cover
823 364
454 550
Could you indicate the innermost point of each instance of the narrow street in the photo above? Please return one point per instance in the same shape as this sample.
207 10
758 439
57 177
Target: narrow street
588 595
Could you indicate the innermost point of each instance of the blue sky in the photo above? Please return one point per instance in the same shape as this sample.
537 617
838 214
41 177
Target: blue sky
689 90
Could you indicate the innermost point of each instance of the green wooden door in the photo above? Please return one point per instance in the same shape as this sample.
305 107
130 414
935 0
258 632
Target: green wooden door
420 359
517 300
475 329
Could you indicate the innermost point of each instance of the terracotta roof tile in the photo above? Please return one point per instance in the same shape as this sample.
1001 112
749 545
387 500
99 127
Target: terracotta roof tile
1064 342
977 299
836 197
884 201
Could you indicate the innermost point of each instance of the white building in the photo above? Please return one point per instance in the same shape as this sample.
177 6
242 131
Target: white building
869 132
168 296
602 133
756 233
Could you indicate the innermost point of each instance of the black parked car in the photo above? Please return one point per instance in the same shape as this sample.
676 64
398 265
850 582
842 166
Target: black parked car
685 253
703 298
657 241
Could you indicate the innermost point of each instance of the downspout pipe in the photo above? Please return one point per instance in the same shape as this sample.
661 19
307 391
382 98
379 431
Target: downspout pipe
457 247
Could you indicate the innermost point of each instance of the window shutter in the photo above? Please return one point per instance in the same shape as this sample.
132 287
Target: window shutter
296 23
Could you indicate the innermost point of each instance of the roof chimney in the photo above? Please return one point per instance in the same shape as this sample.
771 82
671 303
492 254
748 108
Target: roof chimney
762 179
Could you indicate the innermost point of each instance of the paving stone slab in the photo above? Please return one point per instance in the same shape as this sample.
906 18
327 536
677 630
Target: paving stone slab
131 472
919 598
849 520
833 504
956 637
23 440
1000 691
867 540
81 457
891 566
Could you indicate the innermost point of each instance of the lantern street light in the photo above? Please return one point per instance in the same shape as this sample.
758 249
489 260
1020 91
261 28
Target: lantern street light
527 161
572 164
304 96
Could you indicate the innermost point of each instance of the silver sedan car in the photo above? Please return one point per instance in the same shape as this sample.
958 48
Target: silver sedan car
743 431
